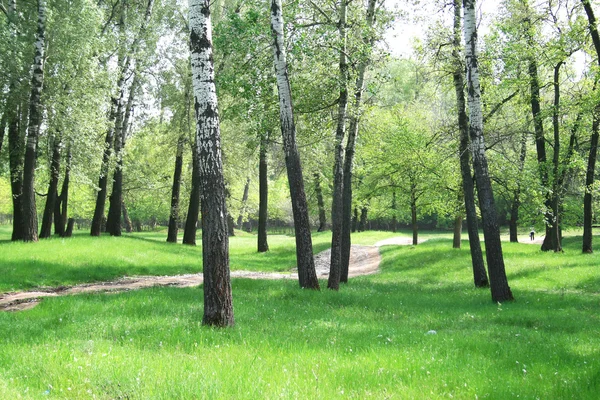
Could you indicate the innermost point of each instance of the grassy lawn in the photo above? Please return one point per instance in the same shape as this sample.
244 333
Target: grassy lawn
372 339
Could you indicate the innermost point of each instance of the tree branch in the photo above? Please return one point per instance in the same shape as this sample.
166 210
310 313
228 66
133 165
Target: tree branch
498 106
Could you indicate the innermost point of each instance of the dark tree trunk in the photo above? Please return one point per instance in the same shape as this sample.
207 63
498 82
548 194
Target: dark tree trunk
96 227
591 167
498 282
413 220
61 207
191 221
69 231
337 204
320 202
516 202
174 214
30 221
458 220
479 273
244 203
355 220
51 198
218 303
15 151
307 275
368 40
263 190
362 224
126 219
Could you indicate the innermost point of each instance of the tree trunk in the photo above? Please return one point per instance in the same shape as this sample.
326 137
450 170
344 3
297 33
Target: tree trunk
355 220
174 214
126 219
368 40
263 190
69 231
191 221
335 270
516 203
413 220
218 303
479 273
304 253
394 209
591 167
51 198
61 206
30 221
320 202
244 204
2 129
491 231
15 151
121 127
362 224
457 230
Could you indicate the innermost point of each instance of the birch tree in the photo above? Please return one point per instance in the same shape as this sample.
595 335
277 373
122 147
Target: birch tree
304 254
30 221
218 304
479 273
491 231
338 169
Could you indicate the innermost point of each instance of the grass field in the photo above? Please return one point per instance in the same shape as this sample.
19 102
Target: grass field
373 339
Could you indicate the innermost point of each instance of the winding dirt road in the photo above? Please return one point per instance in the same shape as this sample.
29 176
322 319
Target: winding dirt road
364 260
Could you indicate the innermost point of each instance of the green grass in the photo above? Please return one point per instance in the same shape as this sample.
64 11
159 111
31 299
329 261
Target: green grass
367 341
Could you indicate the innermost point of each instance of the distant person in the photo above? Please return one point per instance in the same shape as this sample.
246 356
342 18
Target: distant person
532 235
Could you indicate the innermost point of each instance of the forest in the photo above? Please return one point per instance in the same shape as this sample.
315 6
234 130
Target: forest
234 139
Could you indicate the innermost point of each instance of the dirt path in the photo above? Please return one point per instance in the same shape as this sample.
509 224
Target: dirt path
364 260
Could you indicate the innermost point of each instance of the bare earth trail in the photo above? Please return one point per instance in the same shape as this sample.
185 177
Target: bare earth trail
364 260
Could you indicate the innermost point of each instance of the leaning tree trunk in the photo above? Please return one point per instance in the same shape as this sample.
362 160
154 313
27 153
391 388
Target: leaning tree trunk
15 152
307 275
320 202
191 221
218 304
240 219
589 177
368 40
30 221
491 231
174 214
263 194
479 273
51 197
337 205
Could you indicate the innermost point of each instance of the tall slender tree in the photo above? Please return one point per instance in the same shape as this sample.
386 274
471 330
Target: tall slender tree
218 303
263 189
337 205
591 166
491 231
30 221
304 253
368 41
175 189
479 273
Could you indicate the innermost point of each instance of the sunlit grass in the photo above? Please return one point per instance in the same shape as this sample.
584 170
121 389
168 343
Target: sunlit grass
372 339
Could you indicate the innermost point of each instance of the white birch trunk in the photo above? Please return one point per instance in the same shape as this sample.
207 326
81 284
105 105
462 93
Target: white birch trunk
304 255
491 231
218 303
30 222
